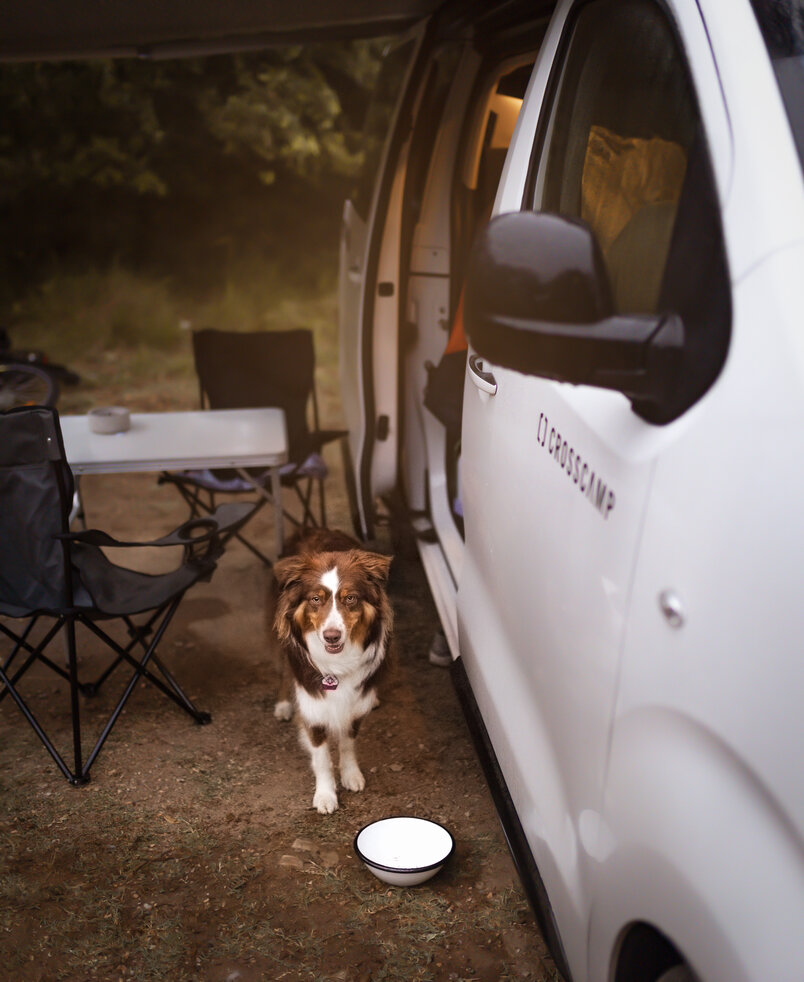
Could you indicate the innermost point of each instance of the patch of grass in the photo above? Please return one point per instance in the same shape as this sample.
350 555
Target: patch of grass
71 315
74 314
128 334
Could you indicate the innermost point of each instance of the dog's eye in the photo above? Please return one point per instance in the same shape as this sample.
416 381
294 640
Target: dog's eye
351 599
315 600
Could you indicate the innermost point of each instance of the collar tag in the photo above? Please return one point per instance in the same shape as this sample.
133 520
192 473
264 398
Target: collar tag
329 682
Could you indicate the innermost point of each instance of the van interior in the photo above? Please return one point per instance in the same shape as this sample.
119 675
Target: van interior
469 164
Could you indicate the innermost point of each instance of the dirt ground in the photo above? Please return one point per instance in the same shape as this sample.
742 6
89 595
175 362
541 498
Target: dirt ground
194 853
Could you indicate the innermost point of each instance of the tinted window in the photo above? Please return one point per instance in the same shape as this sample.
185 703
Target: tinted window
782 26
620 137
623 149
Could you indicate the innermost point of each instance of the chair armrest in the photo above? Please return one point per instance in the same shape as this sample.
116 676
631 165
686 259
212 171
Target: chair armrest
196 531
317 439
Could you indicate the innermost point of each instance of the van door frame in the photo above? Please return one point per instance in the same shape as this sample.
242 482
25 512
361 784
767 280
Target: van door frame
358 464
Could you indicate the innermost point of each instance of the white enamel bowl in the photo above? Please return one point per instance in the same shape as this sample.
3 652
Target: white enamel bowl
404 851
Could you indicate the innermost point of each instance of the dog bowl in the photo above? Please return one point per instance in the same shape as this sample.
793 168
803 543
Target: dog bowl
404 851
109 419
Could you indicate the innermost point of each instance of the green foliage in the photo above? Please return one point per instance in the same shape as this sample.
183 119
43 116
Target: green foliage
283 113
126 123
65 123
299 108
142 196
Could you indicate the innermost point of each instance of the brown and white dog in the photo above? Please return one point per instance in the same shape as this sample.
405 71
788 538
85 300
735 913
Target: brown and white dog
333 622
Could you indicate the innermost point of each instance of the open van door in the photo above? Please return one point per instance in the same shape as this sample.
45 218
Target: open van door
369 286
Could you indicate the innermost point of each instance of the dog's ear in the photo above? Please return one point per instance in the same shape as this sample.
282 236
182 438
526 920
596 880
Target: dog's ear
288 571
375 566
288 574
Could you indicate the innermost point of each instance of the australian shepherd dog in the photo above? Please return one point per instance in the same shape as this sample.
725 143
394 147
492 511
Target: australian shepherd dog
333 623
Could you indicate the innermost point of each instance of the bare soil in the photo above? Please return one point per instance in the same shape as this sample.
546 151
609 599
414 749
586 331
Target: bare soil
194 853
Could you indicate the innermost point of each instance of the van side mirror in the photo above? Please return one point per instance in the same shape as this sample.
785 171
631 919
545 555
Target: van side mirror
538 301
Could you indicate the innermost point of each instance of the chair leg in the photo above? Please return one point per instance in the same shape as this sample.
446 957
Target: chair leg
136 633
200 507
323 502
147 636
261 502
34 653
307 519
79 776
305 494
141 671
252 548
20 641
198 715
191 497
173 690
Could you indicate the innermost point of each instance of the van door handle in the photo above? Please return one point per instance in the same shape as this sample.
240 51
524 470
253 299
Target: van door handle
484 380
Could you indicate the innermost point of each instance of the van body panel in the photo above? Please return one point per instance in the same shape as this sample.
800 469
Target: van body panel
695 847
624 634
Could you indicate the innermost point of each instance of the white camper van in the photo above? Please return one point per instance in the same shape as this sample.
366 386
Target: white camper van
604 198
572 355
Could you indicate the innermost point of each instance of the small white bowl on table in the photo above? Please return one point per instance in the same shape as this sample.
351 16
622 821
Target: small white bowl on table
109 419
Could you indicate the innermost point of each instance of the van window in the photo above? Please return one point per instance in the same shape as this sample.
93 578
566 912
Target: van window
486 142
435 90
620 136
782 26
623 149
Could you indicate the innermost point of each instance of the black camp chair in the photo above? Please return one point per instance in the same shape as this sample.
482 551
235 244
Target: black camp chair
48 573
239 370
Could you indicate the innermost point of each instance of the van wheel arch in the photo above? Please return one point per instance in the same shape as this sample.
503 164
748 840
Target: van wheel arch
647 955
679 973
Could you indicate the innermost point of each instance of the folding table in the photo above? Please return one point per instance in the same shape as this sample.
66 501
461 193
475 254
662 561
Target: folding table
174 441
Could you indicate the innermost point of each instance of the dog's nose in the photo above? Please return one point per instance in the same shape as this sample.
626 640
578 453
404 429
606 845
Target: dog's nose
332 636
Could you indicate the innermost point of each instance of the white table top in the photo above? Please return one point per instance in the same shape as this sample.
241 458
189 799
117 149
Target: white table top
179 441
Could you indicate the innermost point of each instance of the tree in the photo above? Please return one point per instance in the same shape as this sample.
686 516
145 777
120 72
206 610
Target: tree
122 123
65 123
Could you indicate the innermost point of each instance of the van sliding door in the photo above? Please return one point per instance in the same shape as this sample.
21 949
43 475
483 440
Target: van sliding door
369 286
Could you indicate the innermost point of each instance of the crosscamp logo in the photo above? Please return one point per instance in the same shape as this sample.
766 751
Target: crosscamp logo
576 467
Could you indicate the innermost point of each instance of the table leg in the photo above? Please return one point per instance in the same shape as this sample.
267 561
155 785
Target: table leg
77 508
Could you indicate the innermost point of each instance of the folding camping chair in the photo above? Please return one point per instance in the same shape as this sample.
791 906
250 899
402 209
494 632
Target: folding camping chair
49 573
246 370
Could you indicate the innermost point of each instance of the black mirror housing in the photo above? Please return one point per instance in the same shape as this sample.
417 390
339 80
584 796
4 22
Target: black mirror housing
538 301
540 267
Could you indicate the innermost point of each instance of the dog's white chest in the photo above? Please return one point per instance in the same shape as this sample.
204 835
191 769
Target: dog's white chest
336 708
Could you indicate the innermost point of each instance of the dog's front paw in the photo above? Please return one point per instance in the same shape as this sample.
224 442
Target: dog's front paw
325 801
283 710
352 778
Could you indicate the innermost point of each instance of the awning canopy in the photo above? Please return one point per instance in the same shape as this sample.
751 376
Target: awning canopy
48 29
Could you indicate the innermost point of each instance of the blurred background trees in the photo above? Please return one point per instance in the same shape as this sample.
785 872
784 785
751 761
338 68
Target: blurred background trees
200 173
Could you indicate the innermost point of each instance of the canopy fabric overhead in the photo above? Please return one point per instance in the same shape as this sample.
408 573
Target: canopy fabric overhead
48 29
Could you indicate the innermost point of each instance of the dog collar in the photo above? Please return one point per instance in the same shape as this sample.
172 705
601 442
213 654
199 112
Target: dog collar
329 682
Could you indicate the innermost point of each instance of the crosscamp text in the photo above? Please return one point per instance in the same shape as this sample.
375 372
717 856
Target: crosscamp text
582 474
